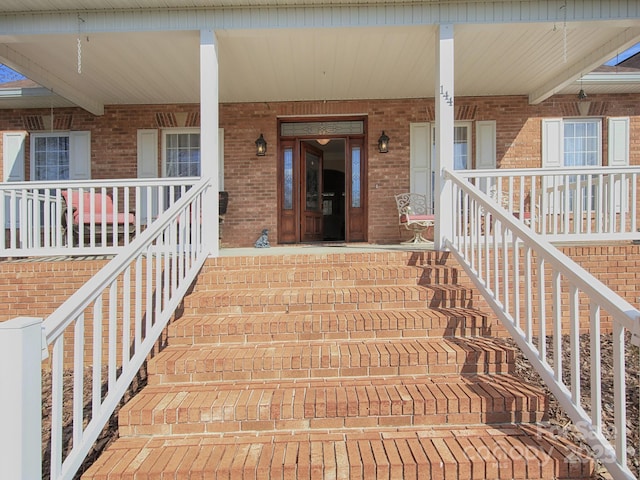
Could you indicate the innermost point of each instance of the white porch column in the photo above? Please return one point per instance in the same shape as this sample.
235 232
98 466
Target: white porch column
209 122
444 134
21 398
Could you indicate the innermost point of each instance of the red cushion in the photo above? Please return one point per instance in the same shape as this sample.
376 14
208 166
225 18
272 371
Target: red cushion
417 218
99 215
107 218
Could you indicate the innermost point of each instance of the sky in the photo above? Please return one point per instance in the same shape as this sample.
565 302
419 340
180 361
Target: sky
8 75
624 55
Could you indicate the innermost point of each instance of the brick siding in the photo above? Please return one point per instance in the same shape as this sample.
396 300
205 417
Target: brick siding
252 181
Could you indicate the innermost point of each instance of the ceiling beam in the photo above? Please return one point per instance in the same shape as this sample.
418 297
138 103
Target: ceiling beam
47 79
587 64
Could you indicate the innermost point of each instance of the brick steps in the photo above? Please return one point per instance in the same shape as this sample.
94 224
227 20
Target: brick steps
418 323
322 299
477 452
336 366
322 359
340 403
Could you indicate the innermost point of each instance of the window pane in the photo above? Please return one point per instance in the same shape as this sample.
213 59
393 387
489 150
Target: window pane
460 148
51 157
182 155
581 149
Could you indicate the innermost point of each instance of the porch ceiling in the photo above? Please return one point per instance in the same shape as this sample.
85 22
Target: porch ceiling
535 59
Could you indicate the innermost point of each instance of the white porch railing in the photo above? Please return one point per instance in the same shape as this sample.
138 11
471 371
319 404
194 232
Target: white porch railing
36 223
527 281
569 204
106 330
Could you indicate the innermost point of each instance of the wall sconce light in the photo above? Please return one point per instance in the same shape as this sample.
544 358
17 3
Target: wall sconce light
383 143
261 146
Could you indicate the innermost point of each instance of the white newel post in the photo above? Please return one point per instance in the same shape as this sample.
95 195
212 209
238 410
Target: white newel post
21 398
209 122
444 135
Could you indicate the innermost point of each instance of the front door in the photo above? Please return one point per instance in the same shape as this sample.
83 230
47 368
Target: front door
322 190
311 194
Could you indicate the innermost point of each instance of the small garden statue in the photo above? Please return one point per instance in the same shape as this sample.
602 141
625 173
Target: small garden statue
263 240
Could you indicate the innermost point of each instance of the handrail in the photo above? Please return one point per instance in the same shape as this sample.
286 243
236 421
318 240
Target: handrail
127 305
511 266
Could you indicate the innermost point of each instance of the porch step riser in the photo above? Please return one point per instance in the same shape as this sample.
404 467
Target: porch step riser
213 408
323 300
320 276
242 329
325 360
513 453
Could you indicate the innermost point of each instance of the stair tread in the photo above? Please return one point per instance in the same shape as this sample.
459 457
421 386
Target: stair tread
478 452
267 405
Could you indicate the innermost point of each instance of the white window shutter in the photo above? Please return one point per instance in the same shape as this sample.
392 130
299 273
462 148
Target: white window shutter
148 168
552 143
486 149
148 153
80 155
552 157
13 154
618 141
419 159
619 157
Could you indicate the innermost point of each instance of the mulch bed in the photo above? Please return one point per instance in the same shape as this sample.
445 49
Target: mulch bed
557 417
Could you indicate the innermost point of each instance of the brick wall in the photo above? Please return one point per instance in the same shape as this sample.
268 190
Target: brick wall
37 288
252 181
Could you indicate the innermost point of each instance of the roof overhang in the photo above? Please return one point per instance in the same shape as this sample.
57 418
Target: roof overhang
109 52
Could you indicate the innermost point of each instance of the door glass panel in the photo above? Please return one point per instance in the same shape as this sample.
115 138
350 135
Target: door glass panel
313 182
288 178
355 178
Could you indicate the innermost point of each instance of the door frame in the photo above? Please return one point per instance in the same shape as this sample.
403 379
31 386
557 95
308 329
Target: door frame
289 221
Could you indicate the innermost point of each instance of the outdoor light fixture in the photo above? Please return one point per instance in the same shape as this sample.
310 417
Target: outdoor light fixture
383 143
583 104
261 146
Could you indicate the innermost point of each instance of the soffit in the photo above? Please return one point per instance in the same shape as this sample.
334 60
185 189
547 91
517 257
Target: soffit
308 64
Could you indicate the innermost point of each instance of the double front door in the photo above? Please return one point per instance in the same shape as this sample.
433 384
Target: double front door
322 192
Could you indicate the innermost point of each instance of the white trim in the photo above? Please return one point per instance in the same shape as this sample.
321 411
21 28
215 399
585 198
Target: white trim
121 17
